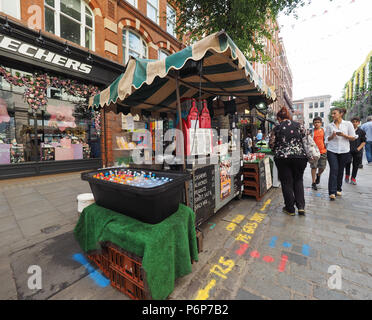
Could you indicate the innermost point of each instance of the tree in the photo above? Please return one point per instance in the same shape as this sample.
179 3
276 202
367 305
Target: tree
336 104
247 22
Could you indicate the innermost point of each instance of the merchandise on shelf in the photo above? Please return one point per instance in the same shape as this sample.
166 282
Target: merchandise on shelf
17 153
253 157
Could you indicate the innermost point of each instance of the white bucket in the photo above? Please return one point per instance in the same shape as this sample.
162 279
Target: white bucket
84 200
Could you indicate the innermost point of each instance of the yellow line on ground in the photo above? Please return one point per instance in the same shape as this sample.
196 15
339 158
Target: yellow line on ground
266 204
203 294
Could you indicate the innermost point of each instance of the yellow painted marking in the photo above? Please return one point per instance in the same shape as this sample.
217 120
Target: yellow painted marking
250 227
203 294
265 205
239 218
221 273
258 217
243 238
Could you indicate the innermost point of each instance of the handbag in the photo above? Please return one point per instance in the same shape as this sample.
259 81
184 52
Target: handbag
311 149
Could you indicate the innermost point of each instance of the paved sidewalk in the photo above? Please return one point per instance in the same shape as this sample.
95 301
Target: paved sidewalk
251 249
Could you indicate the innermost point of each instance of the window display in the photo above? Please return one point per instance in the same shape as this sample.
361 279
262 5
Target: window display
63 130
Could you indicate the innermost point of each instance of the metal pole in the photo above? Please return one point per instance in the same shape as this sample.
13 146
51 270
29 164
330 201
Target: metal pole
181 127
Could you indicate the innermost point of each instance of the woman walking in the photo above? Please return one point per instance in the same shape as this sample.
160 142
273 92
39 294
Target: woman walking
338 135
290 159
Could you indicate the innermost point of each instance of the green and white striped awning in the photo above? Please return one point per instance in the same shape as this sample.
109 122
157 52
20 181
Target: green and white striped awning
151 84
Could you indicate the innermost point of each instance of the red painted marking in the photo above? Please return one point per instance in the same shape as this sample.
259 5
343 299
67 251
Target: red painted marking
255 254
243 248
283 263
268 259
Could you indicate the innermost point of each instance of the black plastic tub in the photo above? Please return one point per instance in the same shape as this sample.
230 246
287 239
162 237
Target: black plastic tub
150 205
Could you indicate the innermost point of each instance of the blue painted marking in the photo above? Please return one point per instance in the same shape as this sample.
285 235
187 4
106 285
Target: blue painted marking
98 278
318 194
306 250
212 225
273 242
287 244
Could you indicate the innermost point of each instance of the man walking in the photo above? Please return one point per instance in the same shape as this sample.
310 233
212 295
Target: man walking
356 151
367 128
320 165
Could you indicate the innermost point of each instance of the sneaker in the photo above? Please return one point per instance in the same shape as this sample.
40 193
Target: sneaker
347 179
332 197
314 186
353 181
338 193
301 212
287 212
317 181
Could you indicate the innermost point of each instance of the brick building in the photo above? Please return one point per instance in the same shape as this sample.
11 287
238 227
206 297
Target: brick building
277 72
86 41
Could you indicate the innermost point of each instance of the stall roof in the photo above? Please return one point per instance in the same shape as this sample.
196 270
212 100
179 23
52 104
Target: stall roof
151 84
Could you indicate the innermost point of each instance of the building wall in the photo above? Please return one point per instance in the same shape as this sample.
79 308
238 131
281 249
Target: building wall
309 112
277 73
298 111
110 18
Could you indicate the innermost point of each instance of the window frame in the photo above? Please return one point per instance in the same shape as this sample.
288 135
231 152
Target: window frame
163 51
18 5
125 47
157 11
134 5
175 21
57 21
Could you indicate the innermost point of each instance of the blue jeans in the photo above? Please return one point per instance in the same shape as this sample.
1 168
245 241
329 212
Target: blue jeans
368 148
337 163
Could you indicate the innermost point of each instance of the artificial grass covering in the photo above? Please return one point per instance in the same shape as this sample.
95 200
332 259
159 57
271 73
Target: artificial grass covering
167 247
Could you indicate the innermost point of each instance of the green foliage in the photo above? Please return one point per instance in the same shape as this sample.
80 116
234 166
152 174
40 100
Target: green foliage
370 75
245 21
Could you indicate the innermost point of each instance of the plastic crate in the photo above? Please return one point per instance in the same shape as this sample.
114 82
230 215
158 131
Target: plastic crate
127 264
119 281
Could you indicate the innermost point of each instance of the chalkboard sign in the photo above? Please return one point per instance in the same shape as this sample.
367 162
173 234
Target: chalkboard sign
204 193
262 177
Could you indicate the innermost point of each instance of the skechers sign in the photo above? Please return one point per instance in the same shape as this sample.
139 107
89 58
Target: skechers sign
30 51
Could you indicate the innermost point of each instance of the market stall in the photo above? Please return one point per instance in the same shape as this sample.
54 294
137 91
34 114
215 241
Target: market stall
184 92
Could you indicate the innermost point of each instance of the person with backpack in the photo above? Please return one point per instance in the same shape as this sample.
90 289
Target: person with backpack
320 165
356 151
338 134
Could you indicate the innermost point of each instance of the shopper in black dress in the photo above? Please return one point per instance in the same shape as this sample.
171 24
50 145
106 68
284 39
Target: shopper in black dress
290 159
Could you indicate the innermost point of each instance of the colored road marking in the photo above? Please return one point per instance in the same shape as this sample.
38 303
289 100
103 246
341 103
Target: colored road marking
98 278
273 242
243 248
287 244
212 225
255 254
306 250
265 205
203 294
283 263
268 259
318 194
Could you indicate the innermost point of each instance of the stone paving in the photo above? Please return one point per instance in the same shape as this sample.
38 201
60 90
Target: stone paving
251 250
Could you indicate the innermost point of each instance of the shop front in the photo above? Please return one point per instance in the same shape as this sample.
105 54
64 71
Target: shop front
45 123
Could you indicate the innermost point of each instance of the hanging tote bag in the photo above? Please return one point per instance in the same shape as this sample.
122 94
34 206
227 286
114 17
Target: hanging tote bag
311 149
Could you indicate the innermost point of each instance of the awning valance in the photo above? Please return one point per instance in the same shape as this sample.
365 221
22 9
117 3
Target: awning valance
151 84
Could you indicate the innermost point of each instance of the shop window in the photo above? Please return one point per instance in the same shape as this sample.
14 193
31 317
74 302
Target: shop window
64 130
171 21
11 8
162 54
133 45
152 10
71 20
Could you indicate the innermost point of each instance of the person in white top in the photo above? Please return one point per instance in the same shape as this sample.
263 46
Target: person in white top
338 134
